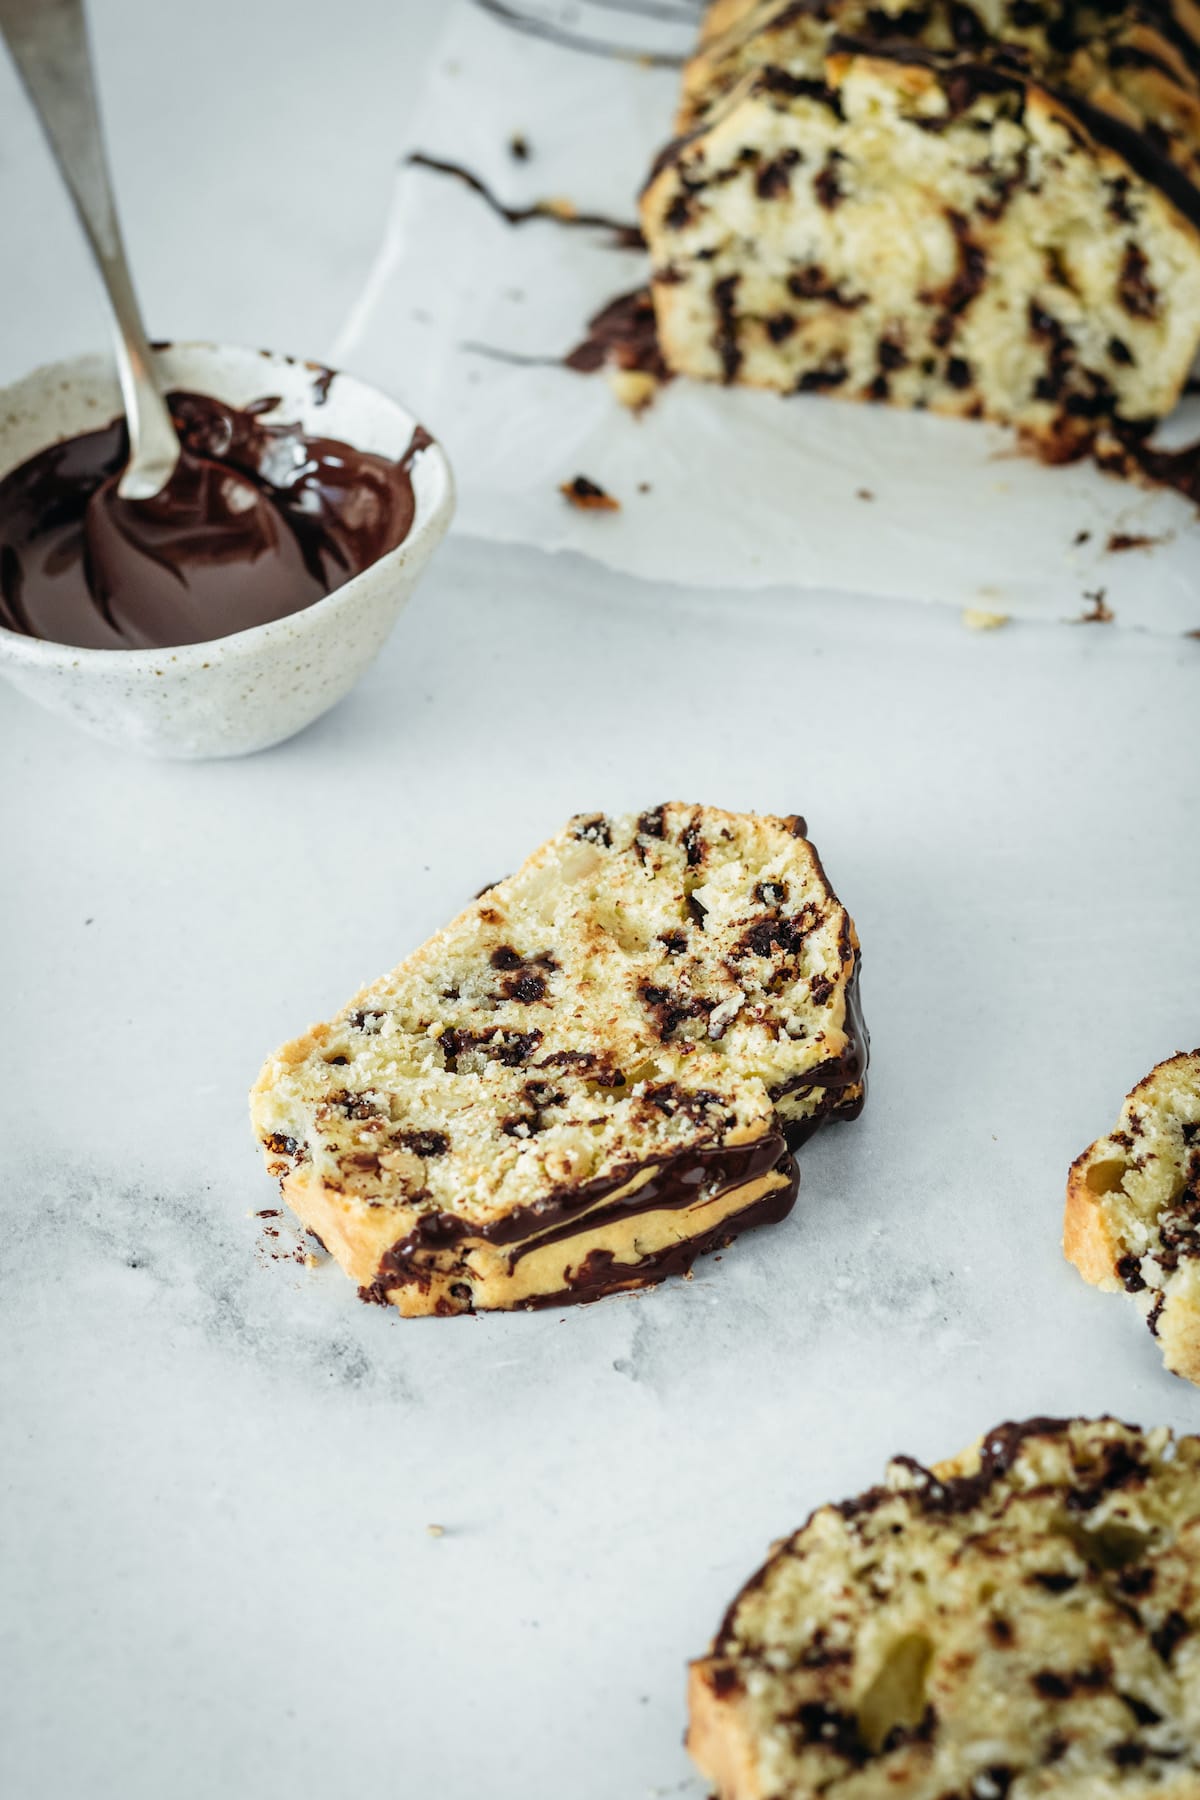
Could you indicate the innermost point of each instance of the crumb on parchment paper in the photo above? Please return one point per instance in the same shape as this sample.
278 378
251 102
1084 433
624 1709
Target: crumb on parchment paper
1131 540
1098 610
588 495
634 388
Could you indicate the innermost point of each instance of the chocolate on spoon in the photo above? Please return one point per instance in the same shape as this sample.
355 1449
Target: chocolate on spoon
48 41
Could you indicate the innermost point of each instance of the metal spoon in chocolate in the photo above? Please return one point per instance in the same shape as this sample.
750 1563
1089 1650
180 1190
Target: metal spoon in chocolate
170 517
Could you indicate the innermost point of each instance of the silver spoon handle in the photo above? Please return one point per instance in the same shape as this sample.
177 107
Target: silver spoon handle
49 44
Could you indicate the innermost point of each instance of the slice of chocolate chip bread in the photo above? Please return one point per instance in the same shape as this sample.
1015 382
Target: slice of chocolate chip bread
1133 1208
986 208
596 1072
1020 1621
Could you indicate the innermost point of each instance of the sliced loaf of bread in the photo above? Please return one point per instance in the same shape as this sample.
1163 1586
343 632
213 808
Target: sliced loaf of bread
988 209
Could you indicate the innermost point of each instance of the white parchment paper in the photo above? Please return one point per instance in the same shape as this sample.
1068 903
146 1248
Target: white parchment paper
717 487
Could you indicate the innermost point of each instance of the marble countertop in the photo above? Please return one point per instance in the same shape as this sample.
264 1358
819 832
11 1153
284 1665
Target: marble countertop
219 1470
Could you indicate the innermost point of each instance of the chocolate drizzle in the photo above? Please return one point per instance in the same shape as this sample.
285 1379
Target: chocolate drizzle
959 1493
849 1070
599 1273
625 236
964 80
703 1172
1143 156
623 334
999 1452
1133 455
260 520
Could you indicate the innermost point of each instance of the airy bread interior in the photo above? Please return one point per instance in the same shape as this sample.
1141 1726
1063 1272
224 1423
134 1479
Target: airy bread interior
1019 1621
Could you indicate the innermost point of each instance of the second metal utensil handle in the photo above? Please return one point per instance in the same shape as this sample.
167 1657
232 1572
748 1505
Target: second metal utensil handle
49 44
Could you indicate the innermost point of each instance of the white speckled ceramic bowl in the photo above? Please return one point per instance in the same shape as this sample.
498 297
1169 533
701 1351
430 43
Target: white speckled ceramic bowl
239 693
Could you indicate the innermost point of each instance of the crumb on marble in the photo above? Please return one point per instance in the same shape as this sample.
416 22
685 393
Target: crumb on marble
978 618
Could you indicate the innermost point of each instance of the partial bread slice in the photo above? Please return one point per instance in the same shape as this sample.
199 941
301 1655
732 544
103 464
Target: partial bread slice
1133 1208
1019 1621
592 1075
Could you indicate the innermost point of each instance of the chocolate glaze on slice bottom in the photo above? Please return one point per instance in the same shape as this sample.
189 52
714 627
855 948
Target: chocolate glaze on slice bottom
600 1274
417 1258
677 1183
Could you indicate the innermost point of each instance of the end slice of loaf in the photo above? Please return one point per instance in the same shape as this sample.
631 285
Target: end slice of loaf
1133 1208
1019 1621
596 1072
987 209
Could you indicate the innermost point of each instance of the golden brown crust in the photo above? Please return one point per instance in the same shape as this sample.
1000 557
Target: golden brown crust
718 1740
1087 1240
355 1241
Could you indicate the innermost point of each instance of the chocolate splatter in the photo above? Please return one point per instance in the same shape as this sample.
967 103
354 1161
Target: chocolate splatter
626 236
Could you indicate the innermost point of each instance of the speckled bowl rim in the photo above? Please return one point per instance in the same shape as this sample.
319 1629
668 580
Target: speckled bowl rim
17 647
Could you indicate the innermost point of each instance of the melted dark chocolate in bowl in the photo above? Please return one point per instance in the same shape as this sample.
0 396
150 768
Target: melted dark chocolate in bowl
258 522
207 556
